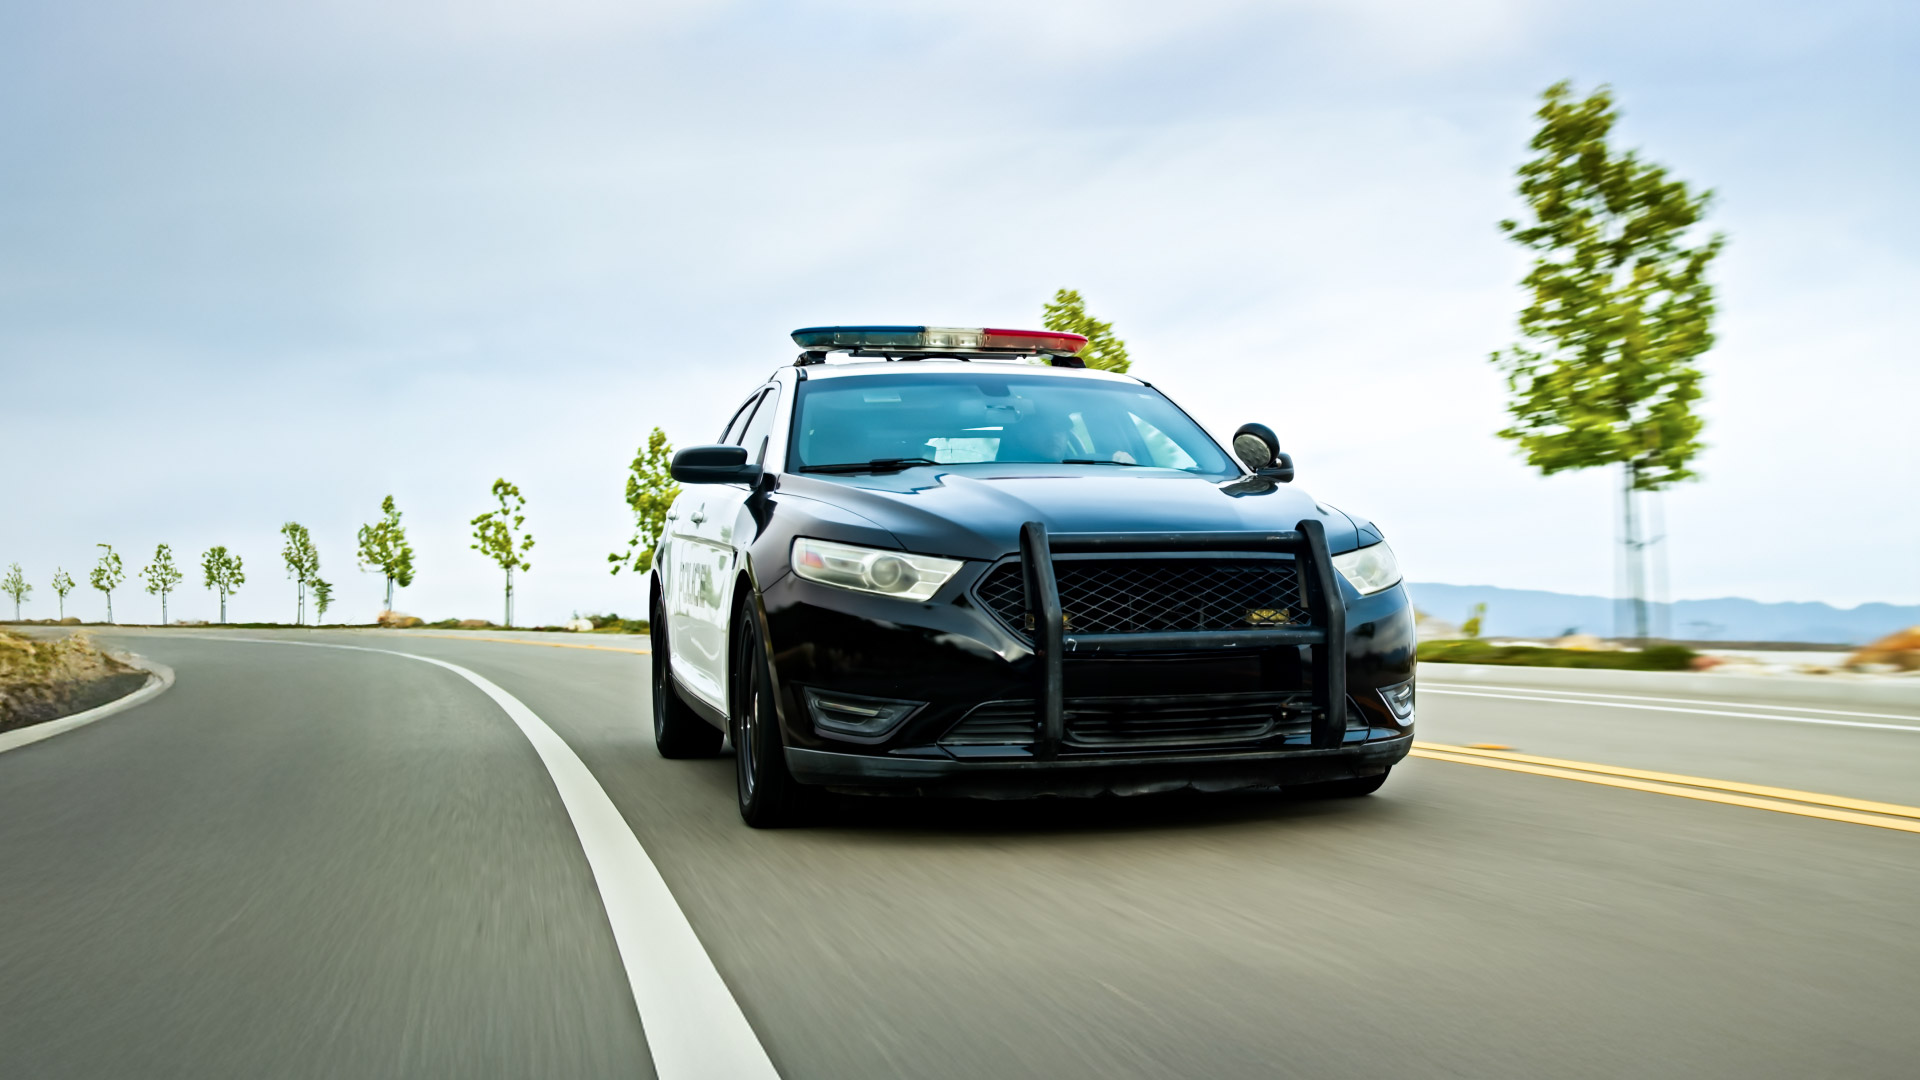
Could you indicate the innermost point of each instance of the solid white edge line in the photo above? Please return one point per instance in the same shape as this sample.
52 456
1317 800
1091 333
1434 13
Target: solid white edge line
695 1029
1683 701
1915 728
159 677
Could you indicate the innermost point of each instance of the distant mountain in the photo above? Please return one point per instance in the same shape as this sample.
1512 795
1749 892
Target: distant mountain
1531 613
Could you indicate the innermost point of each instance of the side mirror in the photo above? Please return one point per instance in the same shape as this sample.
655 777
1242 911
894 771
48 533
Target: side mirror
714 465
1259 450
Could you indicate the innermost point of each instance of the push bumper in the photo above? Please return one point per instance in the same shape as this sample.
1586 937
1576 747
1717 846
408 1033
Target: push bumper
1105 774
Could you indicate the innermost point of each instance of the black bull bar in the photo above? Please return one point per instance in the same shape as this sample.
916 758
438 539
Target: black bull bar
1306 542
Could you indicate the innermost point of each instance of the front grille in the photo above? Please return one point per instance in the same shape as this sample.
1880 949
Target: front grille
1106 723
1140 596
1163 721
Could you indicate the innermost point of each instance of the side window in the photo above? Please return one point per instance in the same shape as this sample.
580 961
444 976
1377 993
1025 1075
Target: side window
755 436
731 436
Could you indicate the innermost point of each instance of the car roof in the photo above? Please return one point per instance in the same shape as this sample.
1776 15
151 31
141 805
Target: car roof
937 366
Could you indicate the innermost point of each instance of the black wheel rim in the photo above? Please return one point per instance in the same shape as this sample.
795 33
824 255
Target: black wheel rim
746 735
659 680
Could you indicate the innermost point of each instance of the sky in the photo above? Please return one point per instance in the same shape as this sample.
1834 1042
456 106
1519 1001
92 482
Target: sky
271 262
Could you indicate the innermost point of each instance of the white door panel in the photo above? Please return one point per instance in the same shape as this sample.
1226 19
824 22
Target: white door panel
688 585
711 614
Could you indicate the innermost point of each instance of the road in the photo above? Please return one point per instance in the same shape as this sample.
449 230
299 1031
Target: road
323 862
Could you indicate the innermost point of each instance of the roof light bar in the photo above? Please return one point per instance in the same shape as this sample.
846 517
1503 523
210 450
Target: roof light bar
943 340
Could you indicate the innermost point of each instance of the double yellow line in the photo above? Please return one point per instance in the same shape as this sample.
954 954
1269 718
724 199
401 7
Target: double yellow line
1755 796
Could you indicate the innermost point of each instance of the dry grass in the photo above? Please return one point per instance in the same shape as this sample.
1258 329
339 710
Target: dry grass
41 679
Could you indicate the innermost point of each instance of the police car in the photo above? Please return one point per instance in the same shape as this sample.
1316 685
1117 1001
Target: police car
958 562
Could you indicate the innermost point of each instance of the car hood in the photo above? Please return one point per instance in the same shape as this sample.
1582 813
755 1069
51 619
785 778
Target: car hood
977 515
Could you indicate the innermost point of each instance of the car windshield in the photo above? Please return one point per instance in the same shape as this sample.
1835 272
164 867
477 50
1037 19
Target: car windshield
961 418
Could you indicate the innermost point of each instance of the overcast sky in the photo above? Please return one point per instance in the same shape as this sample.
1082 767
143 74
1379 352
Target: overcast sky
260 264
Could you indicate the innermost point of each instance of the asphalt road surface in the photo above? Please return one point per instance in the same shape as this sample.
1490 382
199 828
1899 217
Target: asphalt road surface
324 862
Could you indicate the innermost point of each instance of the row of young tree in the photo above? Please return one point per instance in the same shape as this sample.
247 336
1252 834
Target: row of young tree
383 549
500 534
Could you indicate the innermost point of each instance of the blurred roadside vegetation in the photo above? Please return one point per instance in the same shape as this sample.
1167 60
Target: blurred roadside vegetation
43 679
1468 651
614 624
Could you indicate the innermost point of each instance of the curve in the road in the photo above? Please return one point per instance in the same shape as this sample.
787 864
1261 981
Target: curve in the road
695 1029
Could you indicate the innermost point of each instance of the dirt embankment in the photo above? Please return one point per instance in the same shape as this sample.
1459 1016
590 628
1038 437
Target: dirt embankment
45 679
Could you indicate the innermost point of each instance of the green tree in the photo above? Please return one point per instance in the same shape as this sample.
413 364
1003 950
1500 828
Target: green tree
384 547
162 576
303 563
1471 627
322 599
62 585
15 585
1068 314
650 493
107 575
496 534
223 573
1621 309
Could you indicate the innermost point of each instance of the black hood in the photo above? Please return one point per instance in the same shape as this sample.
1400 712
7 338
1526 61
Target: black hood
977 514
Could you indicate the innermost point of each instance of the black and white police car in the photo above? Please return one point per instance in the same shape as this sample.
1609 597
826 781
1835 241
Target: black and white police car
956 561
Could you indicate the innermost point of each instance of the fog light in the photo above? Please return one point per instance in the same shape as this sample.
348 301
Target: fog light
1399 699
860 719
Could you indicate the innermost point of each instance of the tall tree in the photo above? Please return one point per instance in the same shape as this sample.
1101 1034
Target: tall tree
62 585
384 547
107 575
1621 309
162 576
496 534
650 493
1068 315
15 585
303 563
322 599
223 573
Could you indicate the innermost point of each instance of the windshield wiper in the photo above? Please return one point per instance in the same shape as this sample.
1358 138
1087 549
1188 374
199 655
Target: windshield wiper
884 464
1092 461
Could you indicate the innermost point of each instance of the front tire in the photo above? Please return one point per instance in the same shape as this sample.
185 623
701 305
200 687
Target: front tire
770 798
678 731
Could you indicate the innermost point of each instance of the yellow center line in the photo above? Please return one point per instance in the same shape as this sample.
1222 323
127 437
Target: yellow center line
1779 800
548 644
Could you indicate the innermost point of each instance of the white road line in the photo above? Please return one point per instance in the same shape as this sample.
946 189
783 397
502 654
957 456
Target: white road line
1915 728
695 1029
1679 701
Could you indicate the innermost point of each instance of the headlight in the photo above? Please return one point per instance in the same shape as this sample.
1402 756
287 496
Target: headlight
889 573
1370 569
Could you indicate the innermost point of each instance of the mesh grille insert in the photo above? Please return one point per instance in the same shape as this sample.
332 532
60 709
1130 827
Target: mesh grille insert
1138 596
1103 723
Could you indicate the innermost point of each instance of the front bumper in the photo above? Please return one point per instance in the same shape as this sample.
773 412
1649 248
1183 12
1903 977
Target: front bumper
1078 777
963 663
